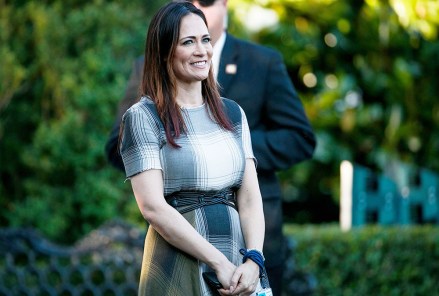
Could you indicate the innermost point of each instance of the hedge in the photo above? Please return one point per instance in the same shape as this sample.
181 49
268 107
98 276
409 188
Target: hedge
372 260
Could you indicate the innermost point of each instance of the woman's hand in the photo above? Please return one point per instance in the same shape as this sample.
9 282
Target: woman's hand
244 280
224 275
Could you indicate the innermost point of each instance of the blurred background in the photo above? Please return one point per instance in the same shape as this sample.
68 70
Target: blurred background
366 71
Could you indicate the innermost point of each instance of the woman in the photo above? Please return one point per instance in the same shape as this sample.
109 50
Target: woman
188 155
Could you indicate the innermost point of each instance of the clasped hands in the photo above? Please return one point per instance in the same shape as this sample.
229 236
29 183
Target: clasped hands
242 280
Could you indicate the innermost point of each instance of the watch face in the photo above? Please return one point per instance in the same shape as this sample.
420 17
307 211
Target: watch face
265 292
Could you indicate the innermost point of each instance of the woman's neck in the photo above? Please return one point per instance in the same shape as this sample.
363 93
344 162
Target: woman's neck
189 96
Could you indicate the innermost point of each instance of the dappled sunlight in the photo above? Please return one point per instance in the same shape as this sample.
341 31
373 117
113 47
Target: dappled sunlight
418 16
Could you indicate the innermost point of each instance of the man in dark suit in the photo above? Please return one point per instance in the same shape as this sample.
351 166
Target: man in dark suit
256 78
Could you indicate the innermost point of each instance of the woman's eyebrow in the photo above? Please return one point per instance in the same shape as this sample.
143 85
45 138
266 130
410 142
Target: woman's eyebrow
194 37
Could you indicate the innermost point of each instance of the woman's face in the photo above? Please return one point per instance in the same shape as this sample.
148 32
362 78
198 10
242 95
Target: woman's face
193 52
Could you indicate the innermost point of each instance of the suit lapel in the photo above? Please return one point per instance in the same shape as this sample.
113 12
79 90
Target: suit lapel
228 66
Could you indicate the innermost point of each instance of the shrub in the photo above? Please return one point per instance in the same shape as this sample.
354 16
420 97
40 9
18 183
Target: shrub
372 260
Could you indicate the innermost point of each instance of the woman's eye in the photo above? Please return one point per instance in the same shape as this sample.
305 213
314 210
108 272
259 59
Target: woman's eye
187 42
206 39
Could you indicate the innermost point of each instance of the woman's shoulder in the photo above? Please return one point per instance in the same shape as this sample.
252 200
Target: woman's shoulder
144 108
144 105
232 109
229 103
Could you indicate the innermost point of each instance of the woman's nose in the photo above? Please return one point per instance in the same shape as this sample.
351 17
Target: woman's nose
200 49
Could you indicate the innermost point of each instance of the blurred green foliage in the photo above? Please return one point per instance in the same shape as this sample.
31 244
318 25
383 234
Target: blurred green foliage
367 74
366 71
371 260
63 70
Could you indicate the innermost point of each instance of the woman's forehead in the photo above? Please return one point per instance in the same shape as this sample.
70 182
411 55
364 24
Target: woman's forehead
192 25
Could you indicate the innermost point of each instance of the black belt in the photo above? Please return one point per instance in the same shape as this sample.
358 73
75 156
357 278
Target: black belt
186 201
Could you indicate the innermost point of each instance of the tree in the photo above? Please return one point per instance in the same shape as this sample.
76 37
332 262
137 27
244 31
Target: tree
64 66
365 70
366 73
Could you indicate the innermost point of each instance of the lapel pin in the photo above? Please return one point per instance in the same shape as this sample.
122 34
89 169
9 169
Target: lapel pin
231 69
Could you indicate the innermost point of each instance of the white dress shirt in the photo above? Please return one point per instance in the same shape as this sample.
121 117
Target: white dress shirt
217 49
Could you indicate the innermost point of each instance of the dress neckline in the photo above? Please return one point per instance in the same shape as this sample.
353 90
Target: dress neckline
193 108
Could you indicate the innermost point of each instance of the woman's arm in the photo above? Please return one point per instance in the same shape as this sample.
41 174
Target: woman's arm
250 208
253 227
173 227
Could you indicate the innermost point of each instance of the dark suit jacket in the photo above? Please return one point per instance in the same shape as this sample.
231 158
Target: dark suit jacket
256 78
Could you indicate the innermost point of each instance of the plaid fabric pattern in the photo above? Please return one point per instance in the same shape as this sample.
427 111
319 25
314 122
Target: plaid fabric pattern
169 272
210 158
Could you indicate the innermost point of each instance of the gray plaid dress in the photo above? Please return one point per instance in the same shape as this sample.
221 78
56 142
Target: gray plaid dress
210 159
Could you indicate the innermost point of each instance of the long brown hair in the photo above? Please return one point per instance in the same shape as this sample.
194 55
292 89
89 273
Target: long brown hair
159 81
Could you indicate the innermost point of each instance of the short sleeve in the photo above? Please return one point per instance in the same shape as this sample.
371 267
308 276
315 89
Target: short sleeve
246 138
140 141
